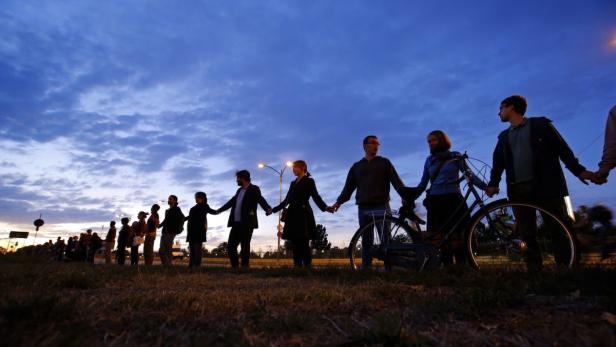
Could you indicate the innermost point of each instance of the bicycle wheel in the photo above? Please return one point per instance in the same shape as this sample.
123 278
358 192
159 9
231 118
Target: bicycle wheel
366 246
518 235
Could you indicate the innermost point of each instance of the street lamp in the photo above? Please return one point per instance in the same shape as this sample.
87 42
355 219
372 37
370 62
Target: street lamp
279 173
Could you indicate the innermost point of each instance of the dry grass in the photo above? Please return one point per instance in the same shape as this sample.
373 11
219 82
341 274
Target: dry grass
46 303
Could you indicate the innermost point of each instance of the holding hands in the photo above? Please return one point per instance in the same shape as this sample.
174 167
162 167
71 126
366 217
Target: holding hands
269 212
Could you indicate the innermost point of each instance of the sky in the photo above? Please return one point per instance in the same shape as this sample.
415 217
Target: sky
107 107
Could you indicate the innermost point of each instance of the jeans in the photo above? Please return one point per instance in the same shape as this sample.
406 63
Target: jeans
148 250
239 235
196 253
365 216
166 246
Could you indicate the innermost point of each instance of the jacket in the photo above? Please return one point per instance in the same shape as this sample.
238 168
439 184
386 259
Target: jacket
174 221
300 222
548 148
252 197
197 222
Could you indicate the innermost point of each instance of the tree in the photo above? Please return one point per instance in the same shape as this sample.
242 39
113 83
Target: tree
220 251
320 243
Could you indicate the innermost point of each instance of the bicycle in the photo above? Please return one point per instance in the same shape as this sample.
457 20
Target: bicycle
492 238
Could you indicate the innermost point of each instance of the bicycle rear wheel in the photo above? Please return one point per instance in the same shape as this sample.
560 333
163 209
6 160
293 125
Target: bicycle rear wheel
366 248
517 236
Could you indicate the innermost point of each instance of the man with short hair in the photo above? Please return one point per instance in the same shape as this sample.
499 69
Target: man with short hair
371 177
530 151
243 217
172 225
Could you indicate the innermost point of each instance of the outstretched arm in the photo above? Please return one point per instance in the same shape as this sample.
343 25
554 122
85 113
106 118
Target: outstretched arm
316 197
261 200
349 187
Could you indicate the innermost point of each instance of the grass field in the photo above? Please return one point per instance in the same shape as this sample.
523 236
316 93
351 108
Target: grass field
48 303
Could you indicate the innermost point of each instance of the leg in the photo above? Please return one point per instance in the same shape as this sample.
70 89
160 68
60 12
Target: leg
561 246
198 253
526 225
134 255
148 250
120 254
108 246
245 244
232 243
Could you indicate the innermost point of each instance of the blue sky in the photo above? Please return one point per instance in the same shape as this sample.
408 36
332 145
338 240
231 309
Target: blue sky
108 107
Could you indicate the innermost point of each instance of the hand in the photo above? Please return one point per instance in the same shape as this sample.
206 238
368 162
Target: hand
336 206
330 209
599 178
491 191
269 212
586 176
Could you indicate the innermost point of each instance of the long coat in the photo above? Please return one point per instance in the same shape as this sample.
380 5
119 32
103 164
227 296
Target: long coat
252 197
197 222
300 223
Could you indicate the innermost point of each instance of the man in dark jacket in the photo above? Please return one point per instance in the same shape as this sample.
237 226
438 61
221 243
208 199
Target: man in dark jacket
243 217
197 228
530 152
172 225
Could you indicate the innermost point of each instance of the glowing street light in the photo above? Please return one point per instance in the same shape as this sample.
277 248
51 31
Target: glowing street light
280 173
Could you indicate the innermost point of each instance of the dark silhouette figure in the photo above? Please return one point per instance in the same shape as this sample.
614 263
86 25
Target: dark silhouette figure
243 217
371 177
172 225
150 236
123 239
197 228
110 241
530 151
95 244
139 228
299 224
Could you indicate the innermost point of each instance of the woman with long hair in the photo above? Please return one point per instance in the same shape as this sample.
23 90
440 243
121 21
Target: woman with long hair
444 201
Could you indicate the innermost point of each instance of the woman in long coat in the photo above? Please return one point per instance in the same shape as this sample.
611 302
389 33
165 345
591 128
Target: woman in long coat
300 226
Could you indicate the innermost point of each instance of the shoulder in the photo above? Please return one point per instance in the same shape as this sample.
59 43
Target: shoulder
544 121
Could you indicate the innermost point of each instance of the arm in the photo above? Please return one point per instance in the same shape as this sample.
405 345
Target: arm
210 210
227 205
264 205
608 161
394 178
498 165
316 197
284 202
564 151
425 177
349 187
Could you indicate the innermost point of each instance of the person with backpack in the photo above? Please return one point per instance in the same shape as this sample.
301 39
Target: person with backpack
444 201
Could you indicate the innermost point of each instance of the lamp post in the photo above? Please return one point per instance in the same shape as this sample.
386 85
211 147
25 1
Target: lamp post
280 173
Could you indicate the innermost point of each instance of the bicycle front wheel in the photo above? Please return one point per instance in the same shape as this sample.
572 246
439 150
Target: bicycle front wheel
366 249
519 235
